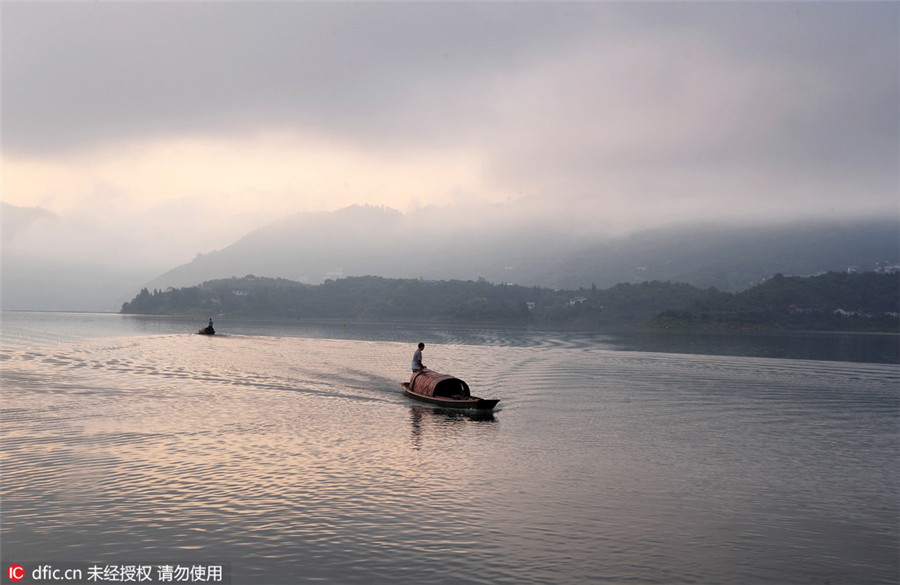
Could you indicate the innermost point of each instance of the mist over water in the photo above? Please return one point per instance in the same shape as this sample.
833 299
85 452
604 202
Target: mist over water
290 453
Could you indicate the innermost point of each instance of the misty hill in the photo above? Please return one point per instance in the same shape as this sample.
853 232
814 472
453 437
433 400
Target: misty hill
42 271
15 219
362 240
733 258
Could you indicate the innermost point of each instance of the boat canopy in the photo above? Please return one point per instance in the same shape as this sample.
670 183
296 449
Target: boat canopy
431 383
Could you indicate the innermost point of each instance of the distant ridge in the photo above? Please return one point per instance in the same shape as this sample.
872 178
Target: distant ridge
733 258
366 240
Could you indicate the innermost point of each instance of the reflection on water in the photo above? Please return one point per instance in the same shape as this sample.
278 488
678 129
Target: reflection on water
428 422
800 345
296 458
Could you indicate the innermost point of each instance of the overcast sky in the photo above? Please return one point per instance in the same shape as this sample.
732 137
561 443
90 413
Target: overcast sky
191 123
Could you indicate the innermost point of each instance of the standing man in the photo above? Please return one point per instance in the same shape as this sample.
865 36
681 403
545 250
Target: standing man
417 359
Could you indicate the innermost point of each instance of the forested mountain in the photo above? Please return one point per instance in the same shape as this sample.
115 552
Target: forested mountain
840 301
373 298
833 301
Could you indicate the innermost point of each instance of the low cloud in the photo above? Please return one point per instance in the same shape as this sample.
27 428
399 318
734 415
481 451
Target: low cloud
186 124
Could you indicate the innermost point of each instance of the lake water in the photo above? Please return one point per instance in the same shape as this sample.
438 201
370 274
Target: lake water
288 454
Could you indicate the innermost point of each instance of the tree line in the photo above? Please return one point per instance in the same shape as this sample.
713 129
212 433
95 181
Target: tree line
838 301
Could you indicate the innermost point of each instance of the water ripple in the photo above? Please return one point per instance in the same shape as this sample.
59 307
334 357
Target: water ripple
299 459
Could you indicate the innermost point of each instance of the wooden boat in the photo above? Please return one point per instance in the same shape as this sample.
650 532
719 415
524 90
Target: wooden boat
444 390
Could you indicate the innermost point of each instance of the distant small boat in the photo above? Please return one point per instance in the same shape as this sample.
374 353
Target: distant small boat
444 390
208 330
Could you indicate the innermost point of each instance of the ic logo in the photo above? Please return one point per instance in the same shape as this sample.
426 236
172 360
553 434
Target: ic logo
16 572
